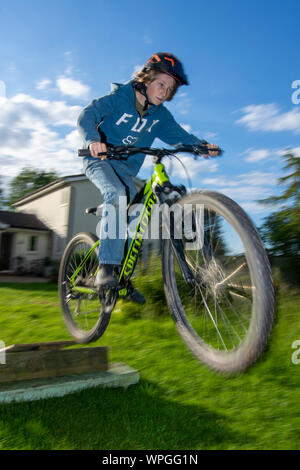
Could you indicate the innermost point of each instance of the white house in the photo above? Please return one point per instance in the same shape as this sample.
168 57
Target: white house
45 220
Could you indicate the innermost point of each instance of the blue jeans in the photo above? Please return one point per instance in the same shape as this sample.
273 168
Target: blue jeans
104 175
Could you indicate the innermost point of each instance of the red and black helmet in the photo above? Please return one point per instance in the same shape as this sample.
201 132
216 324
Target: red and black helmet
167 63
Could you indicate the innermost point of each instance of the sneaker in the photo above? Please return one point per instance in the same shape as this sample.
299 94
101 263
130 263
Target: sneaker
106 276
134 295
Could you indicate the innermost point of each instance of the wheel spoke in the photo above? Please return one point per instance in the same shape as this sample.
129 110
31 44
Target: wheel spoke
219 308
212 319
82 310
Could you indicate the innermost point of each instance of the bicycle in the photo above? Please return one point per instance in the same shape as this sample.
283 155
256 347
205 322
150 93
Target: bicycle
220 293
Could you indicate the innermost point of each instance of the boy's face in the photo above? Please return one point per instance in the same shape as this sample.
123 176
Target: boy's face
160 89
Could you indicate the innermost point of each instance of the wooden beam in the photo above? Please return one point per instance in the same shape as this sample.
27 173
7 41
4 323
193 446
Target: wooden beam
41 360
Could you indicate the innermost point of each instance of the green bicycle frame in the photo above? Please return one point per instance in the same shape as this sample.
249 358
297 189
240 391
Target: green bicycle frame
82 289
158 178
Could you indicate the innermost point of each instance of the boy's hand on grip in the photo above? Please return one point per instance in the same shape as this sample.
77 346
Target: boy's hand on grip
213 150
98 147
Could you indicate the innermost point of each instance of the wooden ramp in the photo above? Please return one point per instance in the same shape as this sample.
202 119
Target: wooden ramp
43 370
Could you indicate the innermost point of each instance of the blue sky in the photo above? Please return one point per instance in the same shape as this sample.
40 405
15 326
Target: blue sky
241 57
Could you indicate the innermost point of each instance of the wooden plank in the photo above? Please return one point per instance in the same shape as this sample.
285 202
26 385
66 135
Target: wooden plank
38 346
33 364
117 375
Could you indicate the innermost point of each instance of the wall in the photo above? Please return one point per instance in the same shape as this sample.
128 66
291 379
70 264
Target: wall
53 210
84 194
20 246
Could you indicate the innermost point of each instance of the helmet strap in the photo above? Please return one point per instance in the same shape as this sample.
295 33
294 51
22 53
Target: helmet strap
141 87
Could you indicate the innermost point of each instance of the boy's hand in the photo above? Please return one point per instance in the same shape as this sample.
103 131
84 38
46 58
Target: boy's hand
213 150
98 147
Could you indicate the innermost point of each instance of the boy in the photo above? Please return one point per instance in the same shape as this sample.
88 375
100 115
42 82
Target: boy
132 114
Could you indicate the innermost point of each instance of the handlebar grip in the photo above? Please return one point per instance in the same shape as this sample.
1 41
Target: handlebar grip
87 153
84 153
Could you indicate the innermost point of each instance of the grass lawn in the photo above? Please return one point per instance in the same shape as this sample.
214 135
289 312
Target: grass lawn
178 403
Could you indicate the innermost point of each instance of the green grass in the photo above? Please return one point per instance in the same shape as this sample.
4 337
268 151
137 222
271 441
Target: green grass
178 403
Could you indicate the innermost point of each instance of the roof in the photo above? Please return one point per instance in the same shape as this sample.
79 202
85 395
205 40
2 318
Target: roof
63 181
21 220
50 187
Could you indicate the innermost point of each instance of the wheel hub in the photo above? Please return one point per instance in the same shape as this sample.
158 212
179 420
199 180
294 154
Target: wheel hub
213 277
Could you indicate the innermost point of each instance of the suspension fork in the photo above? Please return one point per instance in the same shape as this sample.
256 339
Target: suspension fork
176 243
178 250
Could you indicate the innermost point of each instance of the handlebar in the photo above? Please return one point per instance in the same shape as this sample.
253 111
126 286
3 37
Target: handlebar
123 152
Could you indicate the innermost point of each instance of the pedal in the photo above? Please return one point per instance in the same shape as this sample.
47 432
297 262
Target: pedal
104 291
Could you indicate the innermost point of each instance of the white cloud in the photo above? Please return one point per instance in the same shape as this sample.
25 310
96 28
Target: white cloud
43 84
193 167
33 133
257 155
283 151
253 207
74 88
245 188
209 135
258 178
296 151
73 140
253 178
25 111
267 117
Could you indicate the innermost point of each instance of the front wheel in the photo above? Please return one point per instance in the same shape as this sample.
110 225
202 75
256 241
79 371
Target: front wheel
225 313
85 316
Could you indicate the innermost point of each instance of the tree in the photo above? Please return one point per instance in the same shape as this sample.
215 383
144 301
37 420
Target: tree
291 195
28 181
281 229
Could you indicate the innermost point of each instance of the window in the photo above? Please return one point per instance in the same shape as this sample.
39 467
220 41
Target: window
32 243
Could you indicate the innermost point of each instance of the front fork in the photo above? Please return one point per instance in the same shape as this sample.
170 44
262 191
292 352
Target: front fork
177 244
178 250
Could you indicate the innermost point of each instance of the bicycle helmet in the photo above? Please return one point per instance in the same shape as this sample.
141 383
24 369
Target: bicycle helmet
167 63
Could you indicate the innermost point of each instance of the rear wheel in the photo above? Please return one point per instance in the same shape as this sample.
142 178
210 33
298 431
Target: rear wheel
85 316
225 315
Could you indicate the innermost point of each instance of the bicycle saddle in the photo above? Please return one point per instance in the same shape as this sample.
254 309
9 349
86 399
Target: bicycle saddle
97 211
